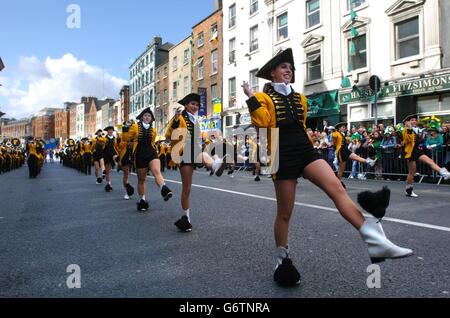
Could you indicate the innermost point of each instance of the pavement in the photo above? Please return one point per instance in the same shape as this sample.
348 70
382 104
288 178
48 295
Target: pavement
63 218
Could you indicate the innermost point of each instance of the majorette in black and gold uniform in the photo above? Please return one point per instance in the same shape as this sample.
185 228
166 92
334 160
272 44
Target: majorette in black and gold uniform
144 154
288 113
341 145
125 155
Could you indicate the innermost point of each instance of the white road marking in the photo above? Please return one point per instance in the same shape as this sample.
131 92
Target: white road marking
393 220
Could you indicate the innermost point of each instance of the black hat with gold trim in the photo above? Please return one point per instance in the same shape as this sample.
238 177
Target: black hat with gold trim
109 128
145 111
285 56
409 117
340 125
193 97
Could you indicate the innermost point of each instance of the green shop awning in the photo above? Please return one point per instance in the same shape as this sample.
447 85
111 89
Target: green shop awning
323 104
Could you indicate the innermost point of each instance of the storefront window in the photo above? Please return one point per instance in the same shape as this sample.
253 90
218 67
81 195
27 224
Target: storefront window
384 110
428 104
359 113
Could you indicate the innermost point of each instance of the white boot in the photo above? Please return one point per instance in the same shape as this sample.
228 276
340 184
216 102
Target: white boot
380 247
445 174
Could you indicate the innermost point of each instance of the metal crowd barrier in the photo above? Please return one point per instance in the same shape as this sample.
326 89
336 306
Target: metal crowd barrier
393 164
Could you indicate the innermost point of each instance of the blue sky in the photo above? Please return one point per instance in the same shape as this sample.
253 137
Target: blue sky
34 38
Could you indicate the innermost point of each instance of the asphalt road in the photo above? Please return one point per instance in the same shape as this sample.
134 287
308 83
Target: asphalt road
64 218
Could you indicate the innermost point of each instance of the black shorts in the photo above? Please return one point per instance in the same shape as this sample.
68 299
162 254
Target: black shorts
143 159
291 167
416 154
109 160
126 160
344 154
98 155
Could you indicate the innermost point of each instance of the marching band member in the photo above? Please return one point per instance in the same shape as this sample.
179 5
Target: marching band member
98 144
186 119
414 154
282 108
110 153
146 157
125 157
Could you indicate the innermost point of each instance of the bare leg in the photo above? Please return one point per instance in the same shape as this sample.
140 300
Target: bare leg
186 178
126 174
341 170
97 167
355 157
430 162
155 168
320 173
142 178
108 172
412 168
285 192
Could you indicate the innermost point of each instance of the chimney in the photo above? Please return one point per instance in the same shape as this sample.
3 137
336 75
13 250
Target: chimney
217 5
157 40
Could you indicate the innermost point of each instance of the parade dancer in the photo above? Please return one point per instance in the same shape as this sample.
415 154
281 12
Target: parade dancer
110 153
185 119
32 160
414 154
280 107
87 157
146 157
344 154
125 161
98 143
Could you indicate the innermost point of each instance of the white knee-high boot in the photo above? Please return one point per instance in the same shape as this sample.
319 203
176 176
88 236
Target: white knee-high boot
380 248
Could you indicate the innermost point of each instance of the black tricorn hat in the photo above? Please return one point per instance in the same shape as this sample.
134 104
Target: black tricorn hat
145 111
99 131
189 98
109 128
279 58
340 125
409 117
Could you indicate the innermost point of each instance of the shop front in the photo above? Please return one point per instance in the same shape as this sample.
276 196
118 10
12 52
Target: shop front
425 95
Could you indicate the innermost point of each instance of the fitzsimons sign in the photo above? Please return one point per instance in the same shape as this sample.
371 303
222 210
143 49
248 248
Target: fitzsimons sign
414 87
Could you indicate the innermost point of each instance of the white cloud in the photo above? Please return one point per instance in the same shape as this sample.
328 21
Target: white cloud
38 84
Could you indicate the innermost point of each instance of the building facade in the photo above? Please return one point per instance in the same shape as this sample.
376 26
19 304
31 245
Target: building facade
246 47
143 74
20 129
61 127
179 74
162 98
43 124
124 103
207 71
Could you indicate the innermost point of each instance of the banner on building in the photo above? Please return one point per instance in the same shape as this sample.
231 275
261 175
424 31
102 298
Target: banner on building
217 106
203 111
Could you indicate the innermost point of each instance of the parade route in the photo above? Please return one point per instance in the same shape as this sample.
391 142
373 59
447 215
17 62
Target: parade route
64 218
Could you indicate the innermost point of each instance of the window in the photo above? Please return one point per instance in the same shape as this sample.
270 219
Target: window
232 51
186 56
200 40
254 38
214 62
232 92
157 99
352 4
186 85
313 66
282 25
358 59
174 63
214 32
254 81
312 13
166 96
165 72
200 71
151 97
214 92
253 6
152 57
407 38
146 60
175 86
152 77
232 16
